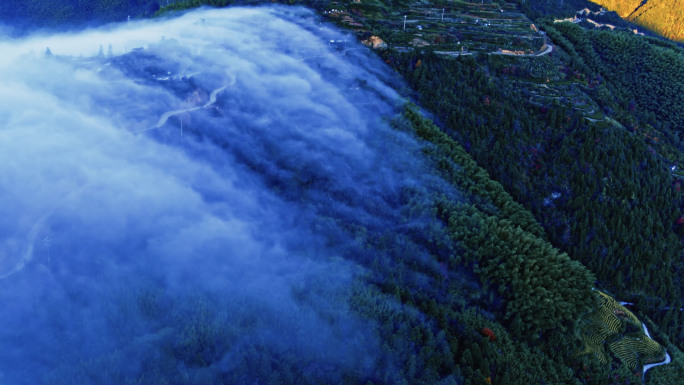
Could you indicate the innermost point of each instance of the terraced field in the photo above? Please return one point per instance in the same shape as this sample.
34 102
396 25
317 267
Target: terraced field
616 327
502 37
458 27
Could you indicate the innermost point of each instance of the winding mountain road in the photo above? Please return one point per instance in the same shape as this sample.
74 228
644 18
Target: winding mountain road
212 99
667 359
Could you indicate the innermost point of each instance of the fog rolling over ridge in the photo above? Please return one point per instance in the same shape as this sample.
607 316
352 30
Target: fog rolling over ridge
184 197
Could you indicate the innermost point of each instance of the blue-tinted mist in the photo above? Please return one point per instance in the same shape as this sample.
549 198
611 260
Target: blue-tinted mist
197 198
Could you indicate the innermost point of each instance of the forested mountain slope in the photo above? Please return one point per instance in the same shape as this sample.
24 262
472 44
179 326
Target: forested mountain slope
600 191
594 184
587 138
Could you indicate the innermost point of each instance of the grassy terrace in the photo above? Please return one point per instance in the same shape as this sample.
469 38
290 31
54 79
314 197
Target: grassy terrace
500 35
455 27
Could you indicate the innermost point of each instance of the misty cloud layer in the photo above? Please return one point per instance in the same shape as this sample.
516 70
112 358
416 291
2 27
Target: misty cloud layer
216 169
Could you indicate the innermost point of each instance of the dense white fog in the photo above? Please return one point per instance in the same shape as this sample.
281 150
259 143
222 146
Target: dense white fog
201 178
